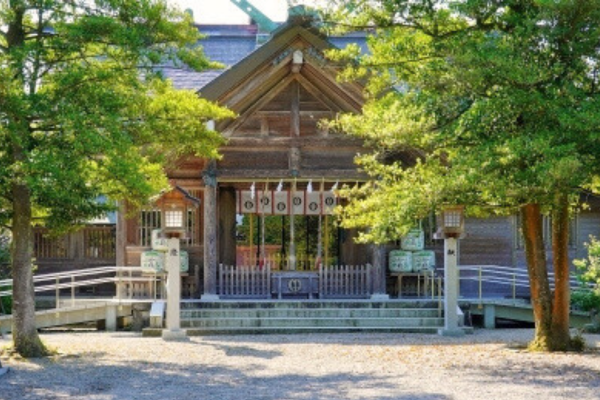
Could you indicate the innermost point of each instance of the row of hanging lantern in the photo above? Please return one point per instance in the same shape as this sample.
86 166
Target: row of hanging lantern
287 202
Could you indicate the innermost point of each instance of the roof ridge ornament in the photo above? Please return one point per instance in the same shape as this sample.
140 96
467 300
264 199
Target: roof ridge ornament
297 61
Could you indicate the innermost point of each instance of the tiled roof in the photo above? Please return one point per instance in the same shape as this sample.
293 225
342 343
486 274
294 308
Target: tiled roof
229 44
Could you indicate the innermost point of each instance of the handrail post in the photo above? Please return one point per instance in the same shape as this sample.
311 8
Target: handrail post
433 284
439 297
72 290
57 293
514 287
480 286
130 283
119 286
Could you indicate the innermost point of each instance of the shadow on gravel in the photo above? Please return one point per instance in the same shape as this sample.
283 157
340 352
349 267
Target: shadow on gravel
243 351
545 374
86 378
353 339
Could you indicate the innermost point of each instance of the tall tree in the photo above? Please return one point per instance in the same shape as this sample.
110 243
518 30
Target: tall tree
497 106
83 113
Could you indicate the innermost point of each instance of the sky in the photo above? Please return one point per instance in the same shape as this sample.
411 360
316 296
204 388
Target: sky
225 12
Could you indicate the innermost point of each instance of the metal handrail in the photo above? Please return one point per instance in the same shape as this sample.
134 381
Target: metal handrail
70 280
510 271
515 277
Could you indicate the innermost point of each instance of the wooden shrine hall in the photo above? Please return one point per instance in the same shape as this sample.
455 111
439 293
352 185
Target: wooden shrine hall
264 227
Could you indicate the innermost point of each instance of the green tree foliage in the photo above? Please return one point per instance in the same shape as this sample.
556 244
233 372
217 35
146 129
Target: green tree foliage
83 112
496 106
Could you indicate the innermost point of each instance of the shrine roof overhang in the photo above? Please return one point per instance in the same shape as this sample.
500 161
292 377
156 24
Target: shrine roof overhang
176 195
266 71
231 78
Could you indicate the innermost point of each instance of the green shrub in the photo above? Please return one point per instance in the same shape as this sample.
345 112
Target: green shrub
585 300
5 302
588 272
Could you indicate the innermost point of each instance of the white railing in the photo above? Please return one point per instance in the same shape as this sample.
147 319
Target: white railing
130 282
244 281
345 281
514 278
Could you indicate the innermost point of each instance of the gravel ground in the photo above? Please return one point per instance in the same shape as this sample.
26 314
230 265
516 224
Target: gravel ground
486 365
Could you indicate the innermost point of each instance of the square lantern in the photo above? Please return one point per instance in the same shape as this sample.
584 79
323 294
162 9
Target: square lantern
451 223
175 221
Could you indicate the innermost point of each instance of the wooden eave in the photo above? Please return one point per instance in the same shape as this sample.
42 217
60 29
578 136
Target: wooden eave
177 195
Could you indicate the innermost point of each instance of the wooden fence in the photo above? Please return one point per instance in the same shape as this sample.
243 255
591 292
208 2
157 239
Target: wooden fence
253 282
45 246
93 242
345 281
99 242
244 282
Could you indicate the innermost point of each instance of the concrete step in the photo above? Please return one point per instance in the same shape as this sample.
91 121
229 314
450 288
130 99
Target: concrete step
289 316
308 304
313 322
154 332
311 313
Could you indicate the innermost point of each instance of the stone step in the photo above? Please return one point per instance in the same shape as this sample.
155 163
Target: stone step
311 313
310 329
308 304
312 322
294 330
293 316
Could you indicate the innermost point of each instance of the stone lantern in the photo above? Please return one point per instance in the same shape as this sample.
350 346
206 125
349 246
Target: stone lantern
451 228
174 228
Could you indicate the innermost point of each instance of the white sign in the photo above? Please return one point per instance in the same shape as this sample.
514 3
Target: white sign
265 202
245 203
281 203
298 203
313 203
329 202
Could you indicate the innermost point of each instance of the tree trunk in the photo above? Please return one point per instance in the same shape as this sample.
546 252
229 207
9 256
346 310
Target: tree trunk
541 297
561 338
25 337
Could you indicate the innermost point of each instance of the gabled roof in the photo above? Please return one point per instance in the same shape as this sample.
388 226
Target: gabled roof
282 39
292 58
177 195
229 44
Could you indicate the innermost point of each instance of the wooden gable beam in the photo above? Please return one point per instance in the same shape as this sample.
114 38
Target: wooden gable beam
323 83
261 102
258 80
319 95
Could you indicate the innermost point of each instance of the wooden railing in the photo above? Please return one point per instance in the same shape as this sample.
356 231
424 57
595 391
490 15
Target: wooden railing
93 242
345 281
99 242
244 282
50 247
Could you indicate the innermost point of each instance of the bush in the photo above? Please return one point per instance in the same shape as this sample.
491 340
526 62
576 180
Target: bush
5 302
588 297
585 300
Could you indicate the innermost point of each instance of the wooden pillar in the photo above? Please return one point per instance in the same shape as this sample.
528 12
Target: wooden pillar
76 245
121 239
295 110
227 225
210 232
